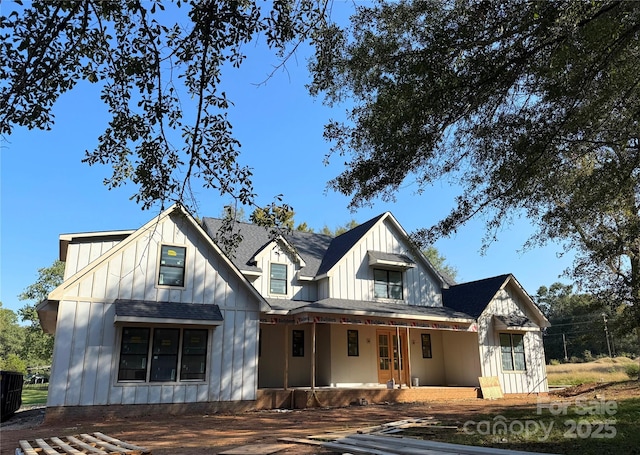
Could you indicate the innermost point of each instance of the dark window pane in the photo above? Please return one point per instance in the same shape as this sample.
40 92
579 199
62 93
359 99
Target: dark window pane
164 361
133 354
352 343
194 354
172 262
297 345
387 284
426 346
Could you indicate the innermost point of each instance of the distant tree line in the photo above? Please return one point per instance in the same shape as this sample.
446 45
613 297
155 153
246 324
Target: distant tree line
583 327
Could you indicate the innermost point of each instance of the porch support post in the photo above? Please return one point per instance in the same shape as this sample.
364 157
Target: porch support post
400 358
409 359
285 380
313 356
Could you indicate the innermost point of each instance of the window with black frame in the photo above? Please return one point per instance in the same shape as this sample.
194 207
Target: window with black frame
426 346
194 355
353 350
172 265
387 284
134 351
163 354
512 350
297 343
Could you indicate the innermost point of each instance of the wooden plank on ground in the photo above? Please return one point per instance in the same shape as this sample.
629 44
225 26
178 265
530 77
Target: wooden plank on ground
257 449
120 443
66 447
101 443
46 448
27 448
77 442
310 442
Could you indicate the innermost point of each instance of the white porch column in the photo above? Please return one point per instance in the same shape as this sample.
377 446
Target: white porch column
285 381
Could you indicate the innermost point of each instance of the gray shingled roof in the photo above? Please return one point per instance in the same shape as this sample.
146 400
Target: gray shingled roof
168 310
473 297
382 309
310 246
341 244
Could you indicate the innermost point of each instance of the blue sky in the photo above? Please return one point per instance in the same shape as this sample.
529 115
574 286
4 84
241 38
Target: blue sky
47 191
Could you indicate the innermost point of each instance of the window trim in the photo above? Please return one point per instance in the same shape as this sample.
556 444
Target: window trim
388 284
149 355
160 265
512 352
285 280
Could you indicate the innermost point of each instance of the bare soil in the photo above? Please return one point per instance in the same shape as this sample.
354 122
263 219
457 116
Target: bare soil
211 434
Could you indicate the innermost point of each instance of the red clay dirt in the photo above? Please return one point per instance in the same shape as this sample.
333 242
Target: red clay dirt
211 434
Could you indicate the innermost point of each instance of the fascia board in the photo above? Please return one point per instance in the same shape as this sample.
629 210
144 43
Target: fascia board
383 315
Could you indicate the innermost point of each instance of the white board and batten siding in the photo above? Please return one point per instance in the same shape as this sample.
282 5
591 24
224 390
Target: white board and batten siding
352 277
88 342
277 253
534 379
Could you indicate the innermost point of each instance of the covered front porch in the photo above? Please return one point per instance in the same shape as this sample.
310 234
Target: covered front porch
326 352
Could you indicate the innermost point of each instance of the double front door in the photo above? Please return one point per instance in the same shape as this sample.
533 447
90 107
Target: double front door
391 356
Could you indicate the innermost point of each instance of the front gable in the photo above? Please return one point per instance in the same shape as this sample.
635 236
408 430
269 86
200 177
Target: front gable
380 254
170 259
280 264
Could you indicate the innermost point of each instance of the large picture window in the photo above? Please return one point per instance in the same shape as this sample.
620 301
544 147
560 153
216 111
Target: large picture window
278 279
512 350
172 260
387 284
175 354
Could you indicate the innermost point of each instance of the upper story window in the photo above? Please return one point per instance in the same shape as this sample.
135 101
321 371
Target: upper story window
512 350
387 284
172 260
278 279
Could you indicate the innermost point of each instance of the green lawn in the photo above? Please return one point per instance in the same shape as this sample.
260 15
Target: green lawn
589 427
34 394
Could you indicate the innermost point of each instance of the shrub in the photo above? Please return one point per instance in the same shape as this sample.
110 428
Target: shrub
588 357
554 362
633 370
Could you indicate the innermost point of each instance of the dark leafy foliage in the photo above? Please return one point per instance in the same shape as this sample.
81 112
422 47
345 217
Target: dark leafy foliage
532 107
159 65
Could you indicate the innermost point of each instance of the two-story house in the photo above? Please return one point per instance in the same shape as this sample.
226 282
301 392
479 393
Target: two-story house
160 315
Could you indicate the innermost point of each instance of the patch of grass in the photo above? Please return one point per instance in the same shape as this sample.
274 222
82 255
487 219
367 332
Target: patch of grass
34 394
587 428
601 370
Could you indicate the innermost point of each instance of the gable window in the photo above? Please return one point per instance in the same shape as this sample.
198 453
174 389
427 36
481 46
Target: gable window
297 343
512 351
278 279
353 349
387 284
172 260
163 355
426 346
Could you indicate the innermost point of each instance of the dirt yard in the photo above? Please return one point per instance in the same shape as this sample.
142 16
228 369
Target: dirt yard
211 434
